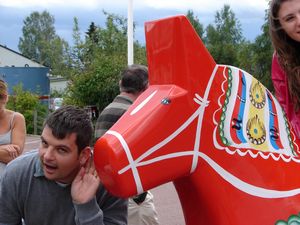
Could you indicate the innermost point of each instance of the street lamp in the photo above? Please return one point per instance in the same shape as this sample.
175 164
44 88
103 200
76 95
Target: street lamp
130 33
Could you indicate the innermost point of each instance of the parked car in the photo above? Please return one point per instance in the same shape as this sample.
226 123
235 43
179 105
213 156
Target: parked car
56 103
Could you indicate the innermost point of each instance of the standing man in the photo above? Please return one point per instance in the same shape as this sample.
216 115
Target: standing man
58 184
134 80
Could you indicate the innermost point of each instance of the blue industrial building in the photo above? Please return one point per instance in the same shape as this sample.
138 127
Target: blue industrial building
33 79
17 69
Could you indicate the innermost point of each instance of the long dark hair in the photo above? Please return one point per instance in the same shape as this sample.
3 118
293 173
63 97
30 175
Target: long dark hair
287 51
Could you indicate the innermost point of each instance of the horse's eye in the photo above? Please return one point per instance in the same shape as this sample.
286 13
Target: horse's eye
166 101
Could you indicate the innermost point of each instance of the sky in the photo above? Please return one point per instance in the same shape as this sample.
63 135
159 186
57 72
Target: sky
250 14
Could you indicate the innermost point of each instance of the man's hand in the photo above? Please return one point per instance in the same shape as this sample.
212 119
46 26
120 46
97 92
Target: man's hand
85 184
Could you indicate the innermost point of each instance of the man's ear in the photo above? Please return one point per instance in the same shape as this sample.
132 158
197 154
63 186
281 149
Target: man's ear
85 155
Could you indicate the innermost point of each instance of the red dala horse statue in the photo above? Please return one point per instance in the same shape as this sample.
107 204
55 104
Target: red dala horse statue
214 130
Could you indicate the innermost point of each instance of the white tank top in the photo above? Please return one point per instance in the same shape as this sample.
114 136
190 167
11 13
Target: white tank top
6 137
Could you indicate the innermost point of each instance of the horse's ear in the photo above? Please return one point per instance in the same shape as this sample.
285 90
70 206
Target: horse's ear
176 54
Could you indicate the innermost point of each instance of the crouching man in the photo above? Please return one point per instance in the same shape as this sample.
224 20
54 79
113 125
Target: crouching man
58 184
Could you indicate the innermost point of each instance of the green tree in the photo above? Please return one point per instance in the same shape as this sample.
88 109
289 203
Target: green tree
41 43
92 33
29 105
256 58
195 22
222 38
95 81
77 51
113 37
263 52
97 85
245 57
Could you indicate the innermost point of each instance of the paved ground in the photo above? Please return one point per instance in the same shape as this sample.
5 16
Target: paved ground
168 205
32 142
165 196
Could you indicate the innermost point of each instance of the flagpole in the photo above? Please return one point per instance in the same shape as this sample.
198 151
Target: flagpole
130 32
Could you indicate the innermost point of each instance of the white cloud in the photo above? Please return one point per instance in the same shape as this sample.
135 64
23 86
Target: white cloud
197 5
207 5
85 4
12 13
